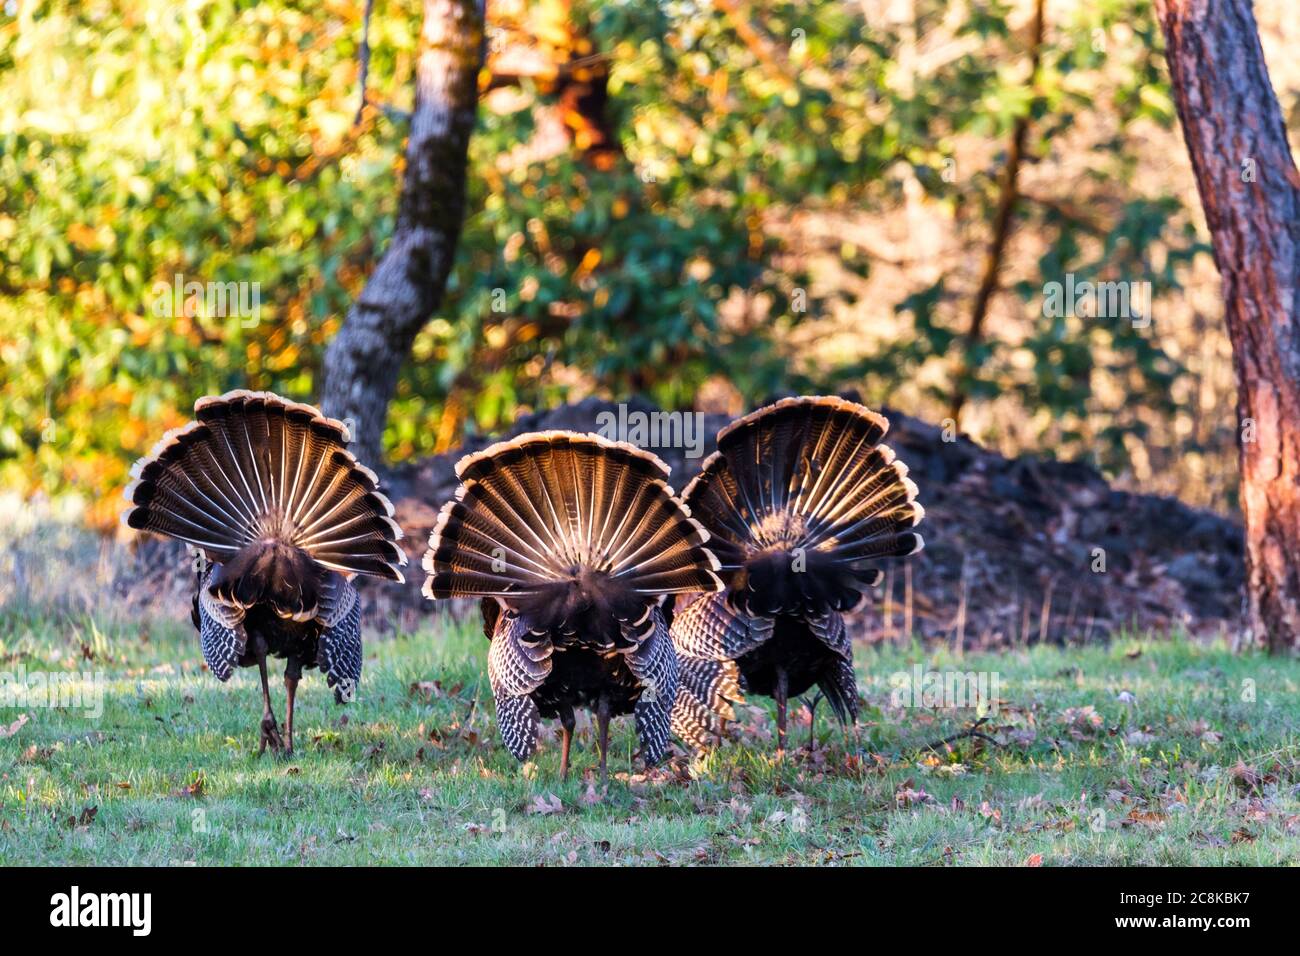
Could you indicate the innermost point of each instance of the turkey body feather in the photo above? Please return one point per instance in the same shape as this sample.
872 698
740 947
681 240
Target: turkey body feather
804 504
283 517
570 541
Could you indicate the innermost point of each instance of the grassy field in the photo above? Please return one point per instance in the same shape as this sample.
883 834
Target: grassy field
1146 752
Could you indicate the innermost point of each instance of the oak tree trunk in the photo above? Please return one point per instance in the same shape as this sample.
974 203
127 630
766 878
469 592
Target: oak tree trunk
1251 193
363 361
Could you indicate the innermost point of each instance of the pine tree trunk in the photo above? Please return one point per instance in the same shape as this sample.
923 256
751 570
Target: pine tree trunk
1251 193
363 361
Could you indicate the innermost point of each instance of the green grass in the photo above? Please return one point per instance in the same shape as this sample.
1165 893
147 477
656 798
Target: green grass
1191 770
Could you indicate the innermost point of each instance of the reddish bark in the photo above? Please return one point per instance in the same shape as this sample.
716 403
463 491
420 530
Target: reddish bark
1251 193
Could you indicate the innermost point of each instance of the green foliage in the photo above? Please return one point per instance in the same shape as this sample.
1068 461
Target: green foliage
150 141
140 141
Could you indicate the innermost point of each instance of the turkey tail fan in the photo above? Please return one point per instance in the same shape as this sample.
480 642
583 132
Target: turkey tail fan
804 485
553 522
255 469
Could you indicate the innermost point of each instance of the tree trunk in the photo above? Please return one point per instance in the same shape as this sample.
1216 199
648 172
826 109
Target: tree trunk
1251 193
363 360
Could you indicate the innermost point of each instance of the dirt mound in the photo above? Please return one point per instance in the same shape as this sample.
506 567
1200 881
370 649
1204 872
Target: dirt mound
1029 549
1017 550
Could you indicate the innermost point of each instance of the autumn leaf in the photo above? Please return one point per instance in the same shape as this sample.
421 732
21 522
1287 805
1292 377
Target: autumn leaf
1250 780
82 820
545 804
907 797
1149 818
13 728
194 788
428 689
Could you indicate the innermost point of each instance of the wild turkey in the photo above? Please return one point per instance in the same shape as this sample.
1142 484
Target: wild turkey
570 541
802 502
283 517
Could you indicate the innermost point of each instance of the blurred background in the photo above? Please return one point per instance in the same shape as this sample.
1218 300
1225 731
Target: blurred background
701 204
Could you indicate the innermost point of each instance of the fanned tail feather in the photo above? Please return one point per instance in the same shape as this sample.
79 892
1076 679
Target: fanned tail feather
254 472
804 503
552 522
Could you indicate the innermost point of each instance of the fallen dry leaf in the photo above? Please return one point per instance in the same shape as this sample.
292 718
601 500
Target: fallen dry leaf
546 804
13 728
194 788
428 689
82 820
907 797
1148 818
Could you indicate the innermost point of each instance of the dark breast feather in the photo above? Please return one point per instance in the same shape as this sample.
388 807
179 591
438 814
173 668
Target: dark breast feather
280 637
805 659
583 670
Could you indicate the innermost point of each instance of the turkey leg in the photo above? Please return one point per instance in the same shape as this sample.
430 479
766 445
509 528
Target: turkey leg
270 730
